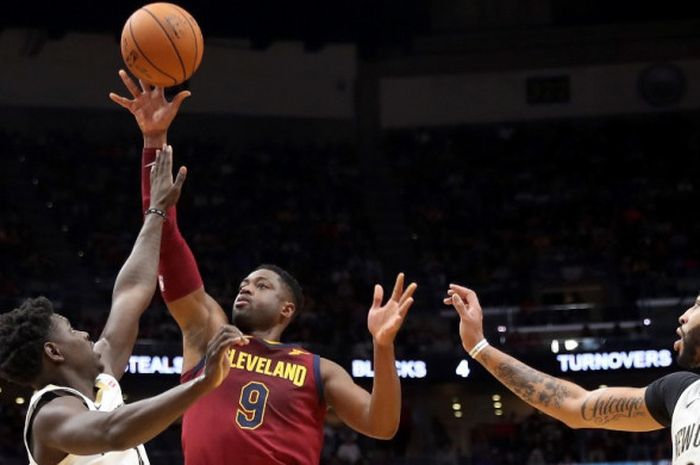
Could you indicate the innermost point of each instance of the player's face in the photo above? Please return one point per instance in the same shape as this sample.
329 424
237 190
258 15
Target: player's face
75 346
260 300
688 346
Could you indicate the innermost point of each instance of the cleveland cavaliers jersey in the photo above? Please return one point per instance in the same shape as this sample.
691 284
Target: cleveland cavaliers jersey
675 399
269 410
108 398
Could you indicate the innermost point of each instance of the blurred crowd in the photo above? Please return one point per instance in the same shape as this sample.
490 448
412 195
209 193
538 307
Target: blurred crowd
555 212
531 215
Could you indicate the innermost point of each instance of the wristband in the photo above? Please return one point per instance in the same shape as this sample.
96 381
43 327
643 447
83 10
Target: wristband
478 348
156 211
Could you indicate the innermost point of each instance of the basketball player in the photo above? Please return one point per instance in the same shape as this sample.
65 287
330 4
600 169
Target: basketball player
668 401
271 408
73 417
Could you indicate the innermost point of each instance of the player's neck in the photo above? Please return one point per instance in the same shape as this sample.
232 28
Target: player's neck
271 334
69 379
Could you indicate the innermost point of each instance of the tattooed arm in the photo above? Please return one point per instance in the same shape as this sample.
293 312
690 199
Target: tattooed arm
618 408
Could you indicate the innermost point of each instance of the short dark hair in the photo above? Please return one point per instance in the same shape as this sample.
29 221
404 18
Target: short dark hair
290 282
23 332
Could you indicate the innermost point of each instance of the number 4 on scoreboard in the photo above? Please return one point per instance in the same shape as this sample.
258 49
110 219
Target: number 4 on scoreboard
463 369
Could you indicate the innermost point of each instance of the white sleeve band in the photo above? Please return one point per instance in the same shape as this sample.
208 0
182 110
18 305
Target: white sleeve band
478 348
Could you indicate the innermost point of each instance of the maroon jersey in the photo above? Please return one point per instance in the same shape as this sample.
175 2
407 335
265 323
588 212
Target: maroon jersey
268 411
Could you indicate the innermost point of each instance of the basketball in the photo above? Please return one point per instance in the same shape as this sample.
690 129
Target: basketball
162 44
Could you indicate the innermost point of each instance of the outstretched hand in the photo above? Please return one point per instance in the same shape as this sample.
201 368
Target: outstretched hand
164 192
152 111
218 365
466 302
384 321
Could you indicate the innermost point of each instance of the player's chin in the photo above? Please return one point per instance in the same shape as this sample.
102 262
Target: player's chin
686 359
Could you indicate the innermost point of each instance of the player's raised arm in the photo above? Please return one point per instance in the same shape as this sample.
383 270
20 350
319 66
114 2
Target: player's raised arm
615 408
376 414
65 426
136 281
196 313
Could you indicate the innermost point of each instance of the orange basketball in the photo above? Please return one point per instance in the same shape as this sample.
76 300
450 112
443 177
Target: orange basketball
162 44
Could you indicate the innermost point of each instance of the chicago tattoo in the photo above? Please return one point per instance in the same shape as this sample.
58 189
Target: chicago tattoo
603 409
531 385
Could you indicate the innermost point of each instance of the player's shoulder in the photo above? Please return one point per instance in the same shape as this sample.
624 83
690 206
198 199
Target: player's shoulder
669 388
53 408
662 395
329 369
677 381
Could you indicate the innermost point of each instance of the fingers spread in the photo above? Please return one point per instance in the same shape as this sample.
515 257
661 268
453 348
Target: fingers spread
155 166
145 87
408 293
378 296
119 100
179 98
181 176
403 309
168 158
398 288
130 85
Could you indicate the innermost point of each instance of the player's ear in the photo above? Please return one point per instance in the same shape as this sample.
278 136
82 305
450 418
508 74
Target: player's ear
288 310
53 352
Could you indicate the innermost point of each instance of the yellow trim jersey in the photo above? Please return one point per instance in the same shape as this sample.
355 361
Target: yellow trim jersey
270 410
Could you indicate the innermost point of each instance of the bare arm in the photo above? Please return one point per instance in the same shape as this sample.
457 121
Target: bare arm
136 281
199 316
376 414
65 425
619 408
616 408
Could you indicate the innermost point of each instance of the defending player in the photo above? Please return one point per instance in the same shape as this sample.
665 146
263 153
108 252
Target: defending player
668 401
73 417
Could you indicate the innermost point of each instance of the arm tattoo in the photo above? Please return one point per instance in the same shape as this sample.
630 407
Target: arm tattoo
602 409
532 386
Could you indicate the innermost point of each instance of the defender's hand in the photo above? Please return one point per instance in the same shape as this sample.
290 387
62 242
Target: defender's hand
165 192
218 364
466 302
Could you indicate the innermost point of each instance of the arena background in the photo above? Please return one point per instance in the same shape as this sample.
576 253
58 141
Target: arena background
544 153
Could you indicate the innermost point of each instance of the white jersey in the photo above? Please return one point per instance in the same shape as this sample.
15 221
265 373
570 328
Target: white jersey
108 398
685 426
675 399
